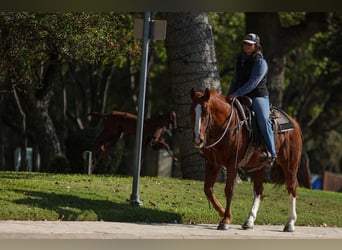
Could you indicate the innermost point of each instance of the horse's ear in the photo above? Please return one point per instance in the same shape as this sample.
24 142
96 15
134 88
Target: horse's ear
192 93
207 94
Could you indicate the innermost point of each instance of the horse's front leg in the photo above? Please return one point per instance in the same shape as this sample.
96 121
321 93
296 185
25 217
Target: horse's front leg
102 150
211 173
227 216
258 190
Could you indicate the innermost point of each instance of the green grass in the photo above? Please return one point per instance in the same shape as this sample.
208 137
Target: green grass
39 196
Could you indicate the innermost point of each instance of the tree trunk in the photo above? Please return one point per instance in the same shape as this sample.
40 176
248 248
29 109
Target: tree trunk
40 125
23 136
191 63
277 41
36 106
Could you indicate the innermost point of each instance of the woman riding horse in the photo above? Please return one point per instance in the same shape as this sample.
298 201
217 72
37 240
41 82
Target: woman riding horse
221 135
250 80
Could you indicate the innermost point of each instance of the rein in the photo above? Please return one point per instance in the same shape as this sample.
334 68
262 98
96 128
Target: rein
226 129
238 126
224 132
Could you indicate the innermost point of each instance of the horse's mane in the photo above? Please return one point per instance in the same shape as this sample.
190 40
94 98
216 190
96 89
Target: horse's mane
218 97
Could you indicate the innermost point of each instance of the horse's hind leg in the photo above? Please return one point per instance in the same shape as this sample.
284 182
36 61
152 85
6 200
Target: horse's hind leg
291 183
290 165
290 168
258 189
290 224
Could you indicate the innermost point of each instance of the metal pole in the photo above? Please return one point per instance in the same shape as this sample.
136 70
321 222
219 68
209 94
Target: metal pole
87 157
141 107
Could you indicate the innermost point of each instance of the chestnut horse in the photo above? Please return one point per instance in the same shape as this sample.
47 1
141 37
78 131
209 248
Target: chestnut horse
219 133
116 124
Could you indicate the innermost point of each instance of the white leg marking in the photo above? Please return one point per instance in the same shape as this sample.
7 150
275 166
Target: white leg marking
290 224
254 209
197 129
293 213
249 223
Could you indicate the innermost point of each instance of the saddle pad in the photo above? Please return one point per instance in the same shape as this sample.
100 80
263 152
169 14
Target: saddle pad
281 119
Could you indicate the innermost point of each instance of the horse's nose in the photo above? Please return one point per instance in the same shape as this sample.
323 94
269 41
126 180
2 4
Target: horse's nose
198 143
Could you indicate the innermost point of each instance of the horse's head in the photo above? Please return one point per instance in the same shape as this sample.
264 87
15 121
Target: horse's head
199 112
167 120
156 126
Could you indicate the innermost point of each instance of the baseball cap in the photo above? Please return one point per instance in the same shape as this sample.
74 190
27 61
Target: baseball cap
251 38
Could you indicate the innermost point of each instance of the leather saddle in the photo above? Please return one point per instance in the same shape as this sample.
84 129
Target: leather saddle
279 118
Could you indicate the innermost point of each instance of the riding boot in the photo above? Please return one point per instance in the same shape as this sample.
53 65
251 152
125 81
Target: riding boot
267 159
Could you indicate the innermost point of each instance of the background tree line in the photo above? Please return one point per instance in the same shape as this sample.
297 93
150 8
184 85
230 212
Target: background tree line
55 68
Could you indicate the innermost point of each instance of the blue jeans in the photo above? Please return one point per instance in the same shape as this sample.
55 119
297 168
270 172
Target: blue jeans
261 108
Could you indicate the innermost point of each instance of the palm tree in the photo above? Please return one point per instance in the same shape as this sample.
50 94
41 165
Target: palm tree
191 63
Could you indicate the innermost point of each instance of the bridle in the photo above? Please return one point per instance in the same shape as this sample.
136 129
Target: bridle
236 127
224 132
227 126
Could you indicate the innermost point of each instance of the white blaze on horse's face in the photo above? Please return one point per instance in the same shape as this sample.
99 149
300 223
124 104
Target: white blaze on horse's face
197 129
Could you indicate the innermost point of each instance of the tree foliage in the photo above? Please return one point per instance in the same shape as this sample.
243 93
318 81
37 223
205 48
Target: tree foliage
74 37
313 86
43 52
228 31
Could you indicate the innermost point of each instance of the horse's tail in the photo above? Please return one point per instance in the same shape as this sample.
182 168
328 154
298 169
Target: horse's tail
304 173
292 146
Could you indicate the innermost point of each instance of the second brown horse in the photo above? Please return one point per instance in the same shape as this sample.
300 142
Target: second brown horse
117 123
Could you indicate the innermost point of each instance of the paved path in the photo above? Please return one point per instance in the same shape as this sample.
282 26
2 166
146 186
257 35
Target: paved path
116 230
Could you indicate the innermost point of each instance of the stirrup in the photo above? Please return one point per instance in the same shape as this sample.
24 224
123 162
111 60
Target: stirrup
268 160
272 161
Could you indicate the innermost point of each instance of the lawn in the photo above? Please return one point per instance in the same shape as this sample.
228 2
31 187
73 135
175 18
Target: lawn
40 196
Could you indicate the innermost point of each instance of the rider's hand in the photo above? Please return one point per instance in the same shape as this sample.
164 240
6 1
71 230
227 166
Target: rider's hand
230 98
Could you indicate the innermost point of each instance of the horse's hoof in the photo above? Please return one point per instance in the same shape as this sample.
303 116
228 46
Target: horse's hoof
289 228
223 226
247 225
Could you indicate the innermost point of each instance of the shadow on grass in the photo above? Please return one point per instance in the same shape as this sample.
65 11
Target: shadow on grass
74 208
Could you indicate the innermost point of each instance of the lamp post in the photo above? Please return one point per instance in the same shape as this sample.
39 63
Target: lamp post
141 108
155 30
